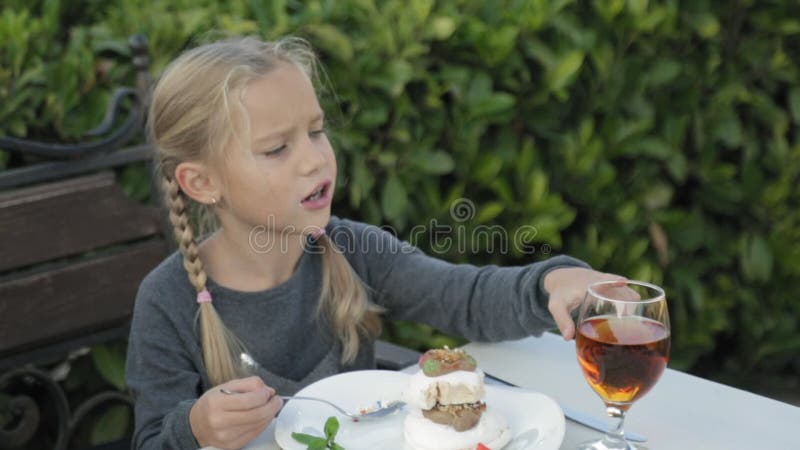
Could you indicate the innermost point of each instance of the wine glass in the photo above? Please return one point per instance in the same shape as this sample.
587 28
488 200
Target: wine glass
623 341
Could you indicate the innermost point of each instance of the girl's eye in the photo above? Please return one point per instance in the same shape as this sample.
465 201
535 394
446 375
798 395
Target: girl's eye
275 151
317 133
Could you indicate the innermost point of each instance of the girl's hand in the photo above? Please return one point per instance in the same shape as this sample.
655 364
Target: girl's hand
567 288
230 421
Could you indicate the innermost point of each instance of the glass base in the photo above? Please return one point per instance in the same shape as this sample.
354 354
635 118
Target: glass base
608 443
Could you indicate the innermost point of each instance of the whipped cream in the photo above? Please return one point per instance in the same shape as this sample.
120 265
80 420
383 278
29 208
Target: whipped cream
423 434
453 388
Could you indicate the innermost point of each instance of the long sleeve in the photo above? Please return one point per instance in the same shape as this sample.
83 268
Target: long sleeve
488 303
161 376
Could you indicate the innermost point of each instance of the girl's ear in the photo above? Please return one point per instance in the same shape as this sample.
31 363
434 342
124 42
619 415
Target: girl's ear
197 182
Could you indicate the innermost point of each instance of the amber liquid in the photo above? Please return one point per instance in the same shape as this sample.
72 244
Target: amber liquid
622 358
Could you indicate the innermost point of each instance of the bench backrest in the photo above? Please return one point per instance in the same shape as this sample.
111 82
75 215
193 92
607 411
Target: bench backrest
73 254
73 246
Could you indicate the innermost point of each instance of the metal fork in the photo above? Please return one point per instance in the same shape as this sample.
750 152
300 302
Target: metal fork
380 409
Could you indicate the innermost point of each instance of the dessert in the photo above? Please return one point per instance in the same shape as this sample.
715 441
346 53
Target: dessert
447 411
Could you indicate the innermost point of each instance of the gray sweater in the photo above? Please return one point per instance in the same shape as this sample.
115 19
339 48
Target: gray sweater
165 370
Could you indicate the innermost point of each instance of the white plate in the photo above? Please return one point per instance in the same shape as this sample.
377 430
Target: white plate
536 421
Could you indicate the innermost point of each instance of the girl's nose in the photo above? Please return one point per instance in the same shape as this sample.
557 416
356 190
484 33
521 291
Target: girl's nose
313 157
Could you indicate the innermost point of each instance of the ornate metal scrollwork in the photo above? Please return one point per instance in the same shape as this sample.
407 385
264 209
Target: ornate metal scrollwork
131 125
30 389
33 396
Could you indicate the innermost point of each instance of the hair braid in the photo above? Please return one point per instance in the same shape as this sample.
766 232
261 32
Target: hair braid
221 348
184 234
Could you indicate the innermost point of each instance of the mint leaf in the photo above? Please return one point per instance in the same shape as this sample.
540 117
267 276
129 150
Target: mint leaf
308 439
319 445
331 428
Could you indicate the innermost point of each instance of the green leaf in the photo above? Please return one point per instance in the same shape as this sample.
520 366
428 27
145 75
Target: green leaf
608 9
373 116
393 76
498 44
789 346
658 196
487 167
706 25
387 159
728 130
637 7
664 71
307 438
435 163
322 444
480 87
489 211
564 71
755 258
653 147
329 37
537 188
112 426
794 104
678 167
331 428
135 182
441 28
394 200
110 362
496 103
362 183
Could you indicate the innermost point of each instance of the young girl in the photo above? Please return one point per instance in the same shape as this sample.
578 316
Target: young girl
239 132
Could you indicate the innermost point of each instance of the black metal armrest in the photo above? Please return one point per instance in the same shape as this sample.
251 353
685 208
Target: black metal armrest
390 356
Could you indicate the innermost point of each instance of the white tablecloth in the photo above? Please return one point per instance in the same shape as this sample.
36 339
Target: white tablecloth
681 412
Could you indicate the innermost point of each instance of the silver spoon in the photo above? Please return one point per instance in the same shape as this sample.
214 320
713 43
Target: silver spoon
379 410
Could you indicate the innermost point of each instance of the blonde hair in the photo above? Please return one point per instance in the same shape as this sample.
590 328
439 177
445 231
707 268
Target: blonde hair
195 107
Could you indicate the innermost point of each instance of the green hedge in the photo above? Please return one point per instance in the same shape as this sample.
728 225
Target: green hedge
657 139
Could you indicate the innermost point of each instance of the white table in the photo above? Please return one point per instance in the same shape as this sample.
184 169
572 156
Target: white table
681 412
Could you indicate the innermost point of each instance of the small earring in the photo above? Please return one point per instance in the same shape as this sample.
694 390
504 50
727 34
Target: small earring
213 201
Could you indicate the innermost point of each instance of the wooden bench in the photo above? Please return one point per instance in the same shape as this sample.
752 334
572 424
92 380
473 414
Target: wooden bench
73 250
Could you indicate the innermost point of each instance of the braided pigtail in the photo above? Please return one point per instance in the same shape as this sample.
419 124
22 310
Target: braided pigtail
221 349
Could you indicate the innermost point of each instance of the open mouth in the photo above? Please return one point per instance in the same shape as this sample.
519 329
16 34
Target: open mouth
317 194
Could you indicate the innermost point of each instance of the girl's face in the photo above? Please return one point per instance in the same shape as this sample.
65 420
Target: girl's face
269 180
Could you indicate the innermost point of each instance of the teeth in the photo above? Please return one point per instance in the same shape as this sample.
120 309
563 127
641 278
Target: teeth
315 195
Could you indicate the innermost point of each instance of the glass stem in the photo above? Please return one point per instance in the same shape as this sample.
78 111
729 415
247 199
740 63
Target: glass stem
617 434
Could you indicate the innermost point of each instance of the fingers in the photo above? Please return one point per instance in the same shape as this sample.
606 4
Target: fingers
244 434
253 383
236 437
618 291
256 416
561 314
245 401
274 406
567 289
232 420
248 394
